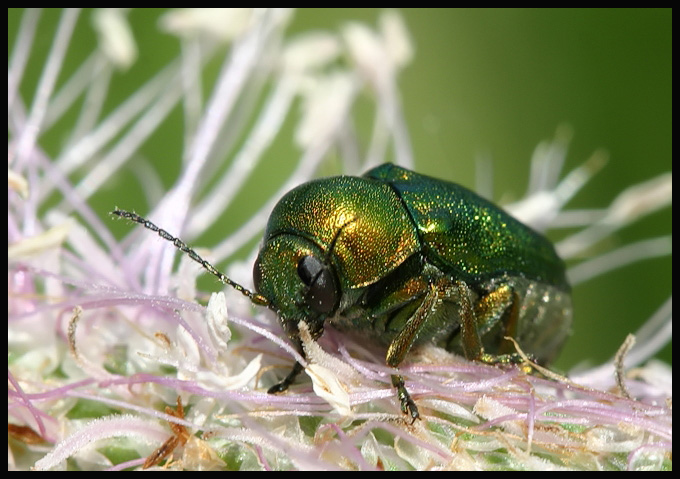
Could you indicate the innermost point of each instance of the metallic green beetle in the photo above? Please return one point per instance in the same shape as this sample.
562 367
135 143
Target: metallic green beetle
404 258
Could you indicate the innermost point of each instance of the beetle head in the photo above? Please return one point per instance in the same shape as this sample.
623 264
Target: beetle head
298 279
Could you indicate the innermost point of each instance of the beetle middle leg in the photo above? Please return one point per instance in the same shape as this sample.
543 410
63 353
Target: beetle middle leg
428 309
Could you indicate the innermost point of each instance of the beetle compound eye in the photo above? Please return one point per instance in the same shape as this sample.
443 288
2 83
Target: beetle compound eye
322 295
308 268
257 275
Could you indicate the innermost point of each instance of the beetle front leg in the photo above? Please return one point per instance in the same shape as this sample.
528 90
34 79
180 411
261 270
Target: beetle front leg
287 381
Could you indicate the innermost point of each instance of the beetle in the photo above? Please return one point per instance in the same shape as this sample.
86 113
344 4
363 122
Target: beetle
403 259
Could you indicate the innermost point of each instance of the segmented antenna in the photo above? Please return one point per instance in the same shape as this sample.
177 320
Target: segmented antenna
255 298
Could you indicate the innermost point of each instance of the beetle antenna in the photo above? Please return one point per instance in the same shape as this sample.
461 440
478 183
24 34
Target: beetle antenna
255 298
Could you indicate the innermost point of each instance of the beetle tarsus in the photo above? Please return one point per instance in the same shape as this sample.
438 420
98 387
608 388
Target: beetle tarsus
287 381
511 358
408 405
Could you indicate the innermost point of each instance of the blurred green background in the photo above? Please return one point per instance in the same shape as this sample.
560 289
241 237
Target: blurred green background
483 83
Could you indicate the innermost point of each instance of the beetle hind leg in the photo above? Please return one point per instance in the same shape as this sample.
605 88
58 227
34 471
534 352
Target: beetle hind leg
500 305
